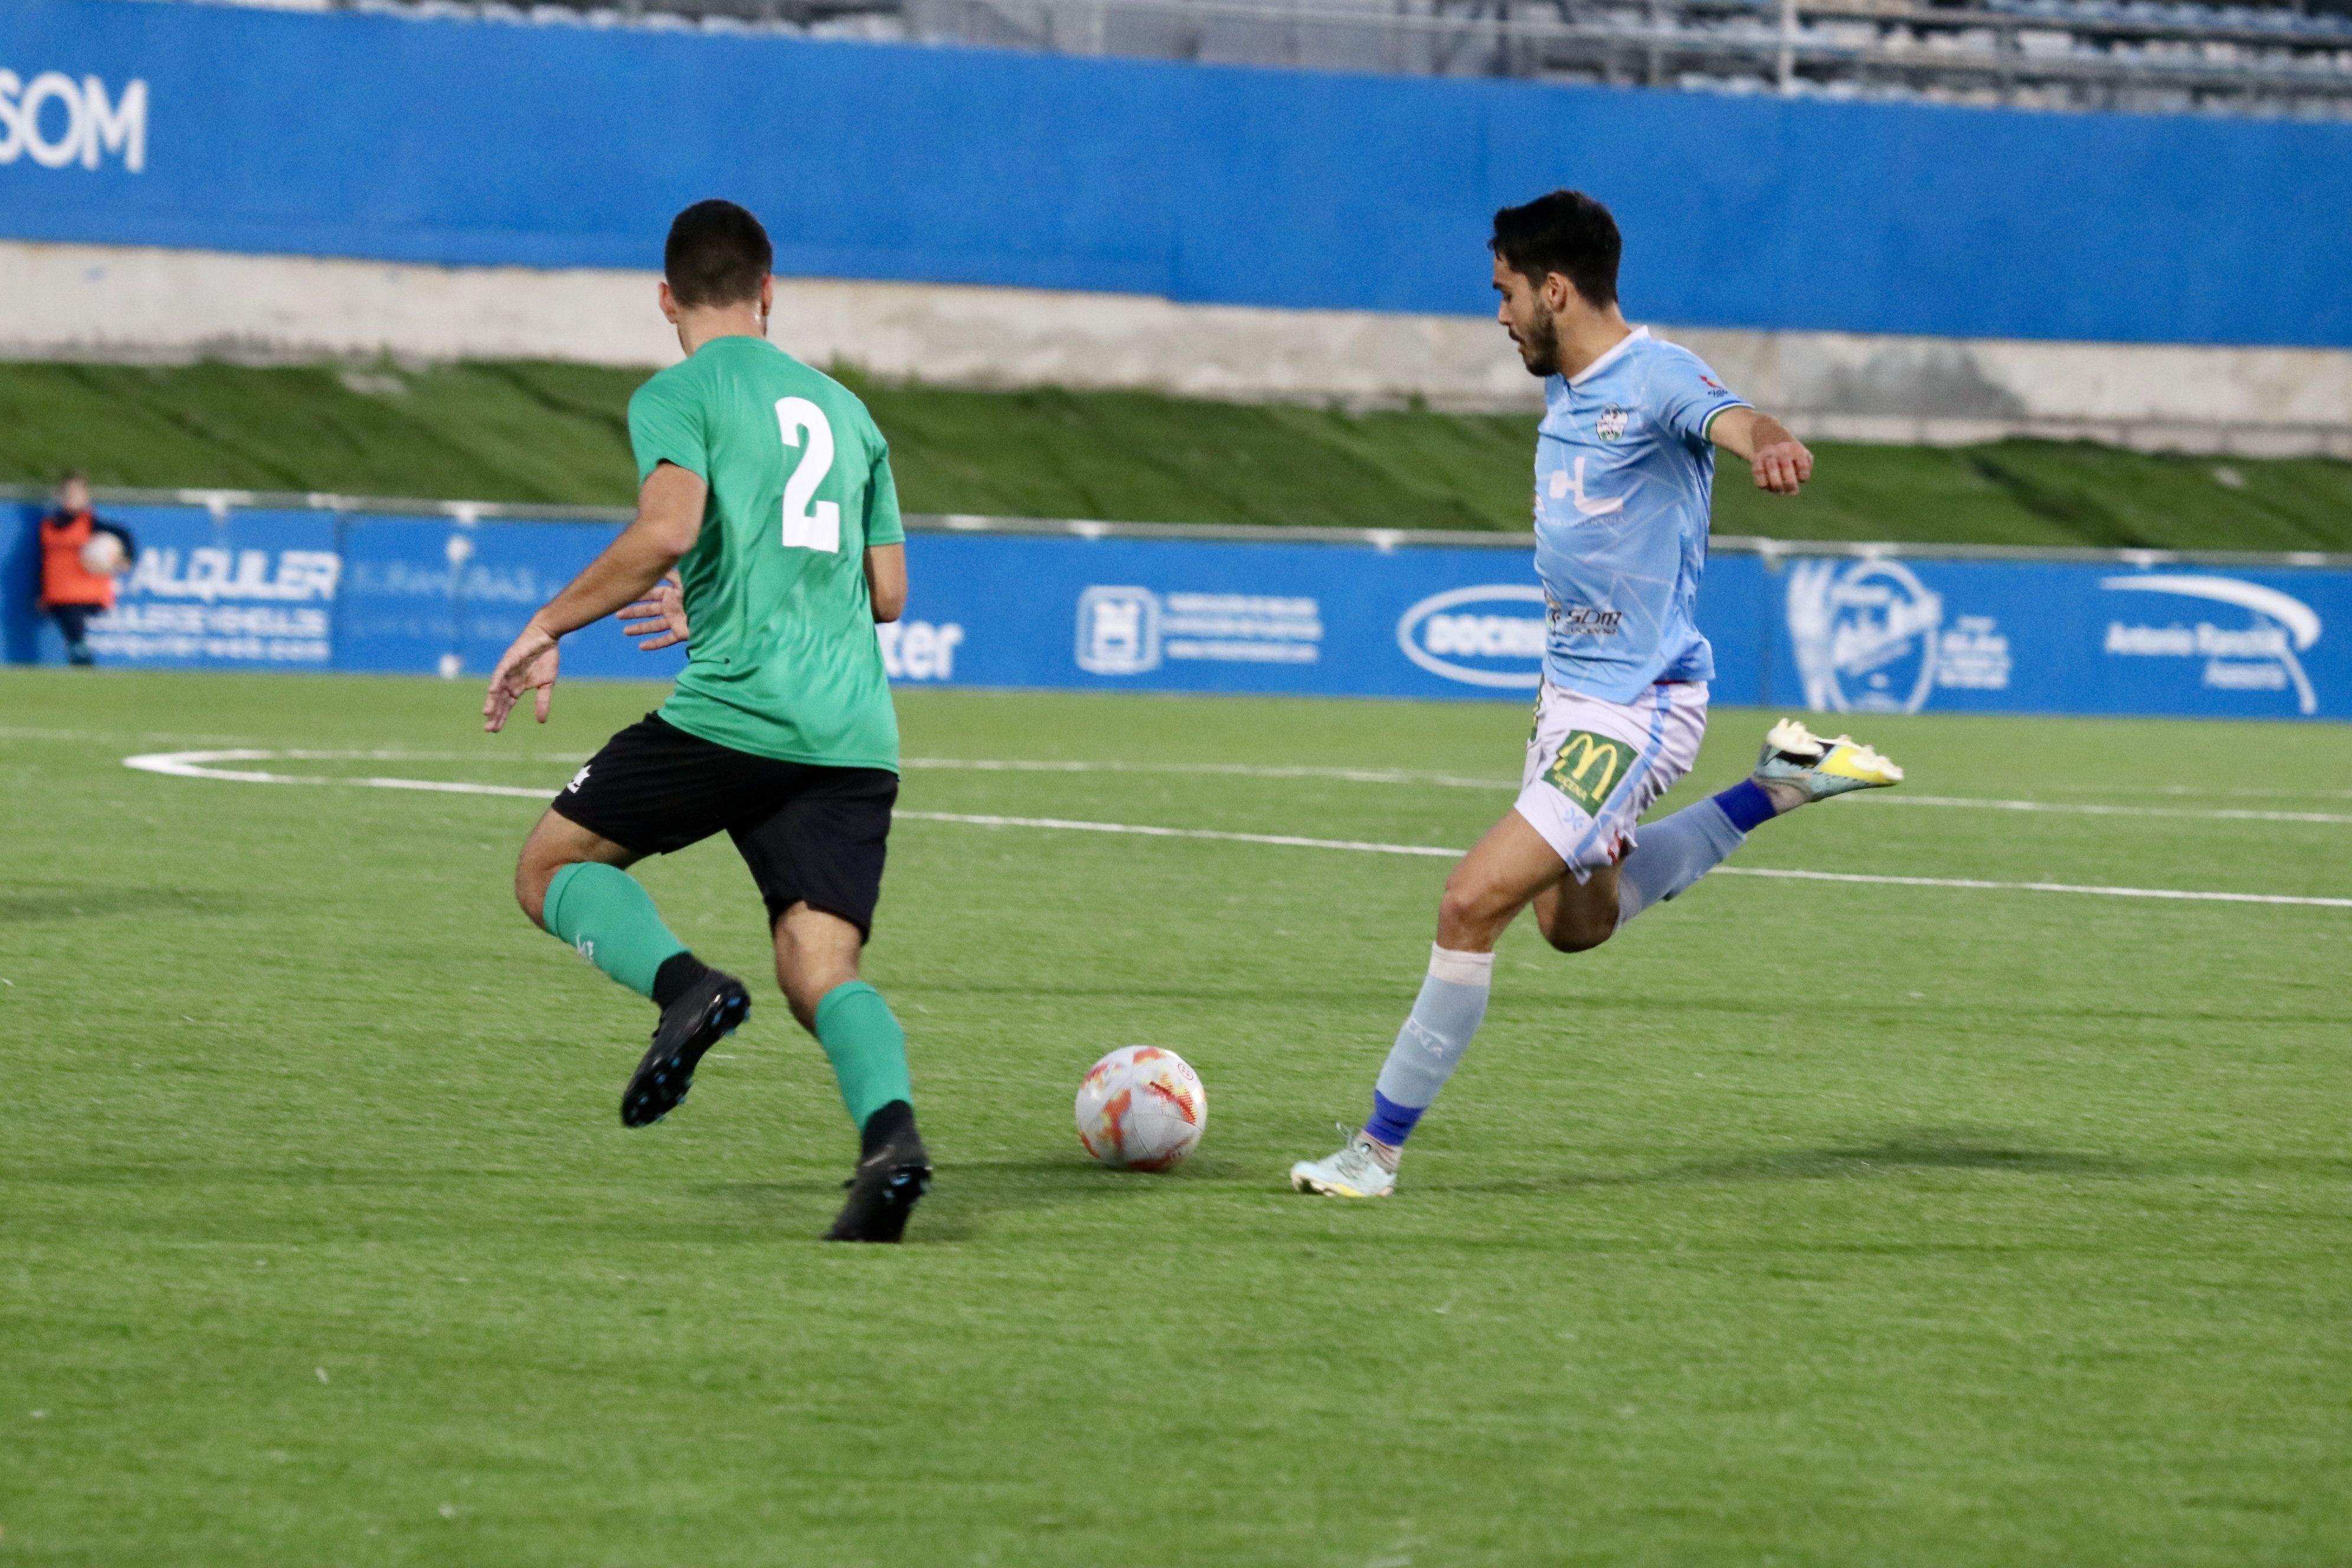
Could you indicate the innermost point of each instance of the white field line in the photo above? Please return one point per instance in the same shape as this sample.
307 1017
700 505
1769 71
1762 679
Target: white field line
114 737
2189 895
205 765
1360 776
2090 808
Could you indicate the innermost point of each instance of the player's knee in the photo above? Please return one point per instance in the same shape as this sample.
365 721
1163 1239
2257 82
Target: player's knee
1582 926
533 872
1468 910
1578 934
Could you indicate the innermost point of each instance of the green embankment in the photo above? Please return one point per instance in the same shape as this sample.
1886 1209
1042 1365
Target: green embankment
540 431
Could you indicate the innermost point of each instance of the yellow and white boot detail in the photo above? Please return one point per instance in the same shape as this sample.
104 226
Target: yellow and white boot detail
1822 767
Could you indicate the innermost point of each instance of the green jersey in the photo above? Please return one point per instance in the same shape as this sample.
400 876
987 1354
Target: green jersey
783 660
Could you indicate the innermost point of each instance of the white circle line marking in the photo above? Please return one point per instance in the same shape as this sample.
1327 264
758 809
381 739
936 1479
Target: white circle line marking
203 765
1355 775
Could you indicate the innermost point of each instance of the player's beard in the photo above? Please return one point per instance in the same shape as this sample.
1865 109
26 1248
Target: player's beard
1539 345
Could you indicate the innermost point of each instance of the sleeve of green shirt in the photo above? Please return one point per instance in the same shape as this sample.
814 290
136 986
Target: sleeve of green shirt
882 524
666 426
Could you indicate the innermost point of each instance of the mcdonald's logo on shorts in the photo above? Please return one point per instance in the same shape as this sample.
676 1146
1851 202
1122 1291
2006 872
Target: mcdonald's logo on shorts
1588 767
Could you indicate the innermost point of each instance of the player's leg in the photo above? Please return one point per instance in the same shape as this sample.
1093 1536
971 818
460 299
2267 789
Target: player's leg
1576 917
1797 768
1592 767
817 968
651 790
818 861
1506 870
73 621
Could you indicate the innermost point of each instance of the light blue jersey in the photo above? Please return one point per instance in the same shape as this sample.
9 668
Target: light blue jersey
1625 476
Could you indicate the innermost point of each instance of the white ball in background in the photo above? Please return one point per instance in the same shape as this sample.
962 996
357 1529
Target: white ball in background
1141 1108
102 555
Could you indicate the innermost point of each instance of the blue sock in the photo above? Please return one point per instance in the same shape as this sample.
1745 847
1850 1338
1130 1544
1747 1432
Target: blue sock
1391 1124
1680 849
1453 1001
1748 803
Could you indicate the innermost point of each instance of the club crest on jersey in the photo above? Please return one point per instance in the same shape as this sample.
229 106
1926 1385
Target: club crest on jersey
1611 425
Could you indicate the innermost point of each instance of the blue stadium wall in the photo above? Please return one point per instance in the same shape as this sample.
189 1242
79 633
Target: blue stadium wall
304 590
483 143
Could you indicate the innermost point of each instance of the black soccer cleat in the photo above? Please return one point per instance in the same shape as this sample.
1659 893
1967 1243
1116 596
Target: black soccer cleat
712 1009
892 1176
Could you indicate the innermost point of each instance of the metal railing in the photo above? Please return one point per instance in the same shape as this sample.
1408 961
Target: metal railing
2270 58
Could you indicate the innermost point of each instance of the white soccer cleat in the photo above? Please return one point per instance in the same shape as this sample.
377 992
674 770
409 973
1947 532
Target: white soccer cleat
1355 1172
1821 768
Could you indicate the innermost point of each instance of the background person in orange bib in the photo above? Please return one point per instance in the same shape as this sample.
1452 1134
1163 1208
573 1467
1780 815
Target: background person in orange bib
79 557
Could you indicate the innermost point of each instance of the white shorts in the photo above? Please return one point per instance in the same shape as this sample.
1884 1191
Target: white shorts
1594 767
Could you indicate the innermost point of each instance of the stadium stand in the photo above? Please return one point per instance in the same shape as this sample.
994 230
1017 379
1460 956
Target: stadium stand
2292 60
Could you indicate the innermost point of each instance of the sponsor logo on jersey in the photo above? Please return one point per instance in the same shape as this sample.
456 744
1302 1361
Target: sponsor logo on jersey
2259 651
1588 767
1567 485
1611 425
1129 631
1491 635
577 780
1584 621
58 120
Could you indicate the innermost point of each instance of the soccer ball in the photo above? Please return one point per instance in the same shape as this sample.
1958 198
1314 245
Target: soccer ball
102 555
1141 1109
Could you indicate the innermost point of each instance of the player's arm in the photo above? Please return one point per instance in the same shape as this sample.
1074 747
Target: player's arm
886 580
669 519
1780 462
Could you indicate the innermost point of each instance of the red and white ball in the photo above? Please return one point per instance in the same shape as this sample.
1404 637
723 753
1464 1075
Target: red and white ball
1141 1108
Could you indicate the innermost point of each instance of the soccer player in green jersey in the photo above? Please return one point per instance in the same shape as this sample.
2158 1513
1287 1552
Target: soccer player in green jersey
767 489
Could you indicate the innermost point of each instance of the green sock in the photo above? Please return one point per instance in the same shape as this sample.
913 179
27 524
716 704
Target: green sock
608 915
866 1047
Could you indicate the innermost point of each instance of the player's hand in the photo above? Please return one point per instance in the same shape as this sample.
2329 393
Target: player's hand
659 618
528 665
1783 466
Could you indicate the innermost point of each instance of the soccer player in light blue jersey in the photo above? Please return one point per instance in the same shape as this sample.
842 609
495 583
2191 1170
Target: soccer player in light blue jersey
1625 475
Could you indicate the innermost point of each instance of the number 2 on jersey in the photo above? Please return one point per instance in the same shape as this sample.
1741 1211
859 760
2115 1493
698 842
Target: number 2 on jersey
807 526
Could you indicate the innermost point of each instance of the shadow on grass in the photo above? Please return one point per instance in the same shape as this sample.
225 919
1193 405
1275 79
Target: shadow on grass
963 1199
1920 1149
34 906
1907 1153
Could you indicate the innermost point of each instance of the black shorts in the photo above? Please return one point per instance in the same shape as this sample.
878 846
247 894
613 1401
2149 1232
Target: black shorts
810 834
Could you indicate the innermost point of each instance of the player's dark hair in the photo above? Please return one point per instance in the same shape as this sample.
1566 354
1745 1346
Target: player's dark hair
1565 232
716 254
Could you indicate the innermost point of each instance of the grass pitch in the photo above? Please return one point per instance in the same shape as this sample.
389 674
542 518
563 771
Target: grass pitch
1807 1223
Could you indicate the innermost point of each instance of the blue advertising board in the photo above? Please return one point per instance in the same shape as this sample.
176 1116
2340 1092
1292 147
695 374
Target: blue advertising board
294 590
2010 637
488 143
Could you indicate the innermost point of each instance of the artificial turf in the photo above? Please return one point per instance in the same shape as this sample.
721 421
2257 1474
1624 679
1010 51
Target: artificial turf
556 433
1806 1223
